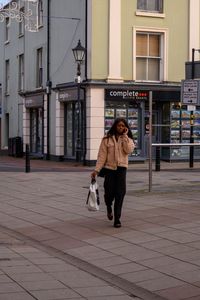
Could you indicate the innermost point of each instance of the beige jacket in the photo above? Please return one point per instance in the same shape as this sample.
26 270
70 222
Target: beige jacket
113 153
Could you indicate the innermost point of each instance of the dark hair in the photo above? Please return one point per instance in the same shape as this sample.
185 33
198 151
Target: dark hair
113 130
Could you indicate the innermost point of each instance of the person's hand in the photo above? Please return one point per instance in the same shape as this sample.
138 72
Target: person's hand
94 174
125 131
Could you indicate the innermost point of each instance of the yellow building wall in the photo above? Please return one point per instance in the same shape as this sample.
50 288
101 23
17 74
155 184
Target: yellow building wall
100 30
175 20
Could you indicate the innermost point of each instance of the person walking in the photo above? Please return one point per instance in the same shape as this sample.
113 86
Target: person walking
113 157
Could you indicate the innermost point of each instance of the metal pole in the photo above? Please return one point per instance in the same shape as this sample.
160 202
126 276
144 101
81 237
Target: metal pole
27 167
78 140
150 141
191 120
157 165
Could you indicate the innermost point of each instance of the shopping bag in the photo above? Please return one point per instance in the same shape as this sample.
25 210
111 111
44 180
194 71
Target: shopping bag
93 201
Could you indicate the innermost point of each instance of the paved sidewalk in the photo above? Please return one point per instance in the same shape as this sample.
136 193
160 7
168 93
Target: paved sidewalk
51 247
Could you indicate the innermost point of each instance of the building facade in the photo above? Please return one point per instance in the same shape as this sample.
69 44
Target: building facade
133 47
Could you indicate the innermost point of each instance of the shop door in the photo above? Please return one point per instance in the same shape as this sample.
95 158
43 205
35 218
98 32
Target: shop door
36 128
70 130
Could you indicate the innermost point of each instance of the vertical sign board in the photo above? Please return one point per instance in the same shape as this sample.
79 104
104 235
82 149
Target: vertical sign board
190 92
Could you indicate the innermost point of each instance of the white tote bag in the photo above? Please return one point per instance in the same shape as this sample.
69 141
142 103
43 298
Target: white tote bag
93 201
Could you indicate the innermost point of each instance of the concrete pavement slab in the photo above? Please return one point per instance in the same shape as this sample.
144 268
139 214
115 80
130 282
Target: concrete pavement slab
158 244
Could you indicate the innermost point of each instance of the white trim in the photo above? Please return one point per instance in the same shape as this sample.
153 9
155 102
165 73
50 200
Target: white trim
164 32
115 41
194 26
149 14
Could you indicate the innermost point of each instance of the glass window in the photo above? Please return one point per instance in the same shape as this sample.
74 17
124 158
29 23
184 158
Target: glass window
150 5
7 29
21 72
148 56
21 24
7 76
40 13
39 70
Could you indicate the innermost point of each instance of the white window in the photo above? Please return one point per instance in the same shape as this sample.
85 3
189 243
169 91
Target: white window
21 24
21 72
7 76
40 13
7 29
149 57
39 68
150 5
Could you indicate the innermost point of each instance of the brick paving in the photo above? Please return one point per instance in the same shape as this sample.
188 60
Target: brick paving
51 247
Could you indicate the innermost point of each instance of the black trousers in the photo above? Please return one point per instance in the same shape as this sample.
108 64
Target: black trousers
115 189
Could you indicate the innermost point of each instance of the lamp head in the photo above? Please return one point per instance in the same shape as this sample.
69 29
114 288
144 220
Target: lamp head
79 53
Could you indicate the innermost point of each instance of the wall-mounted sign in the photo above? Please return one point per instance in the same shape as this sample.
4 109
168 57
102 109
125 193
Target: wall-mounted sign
126 94
34 101
190 92
70 95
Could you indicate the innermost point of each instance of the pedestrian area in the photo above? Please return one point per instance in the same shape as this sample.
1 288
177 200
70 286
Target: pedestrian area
51 247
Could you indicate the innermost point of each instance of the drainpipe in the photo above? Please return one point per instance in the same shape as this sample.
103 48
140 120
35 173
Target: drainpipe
48 82
86 36
86 69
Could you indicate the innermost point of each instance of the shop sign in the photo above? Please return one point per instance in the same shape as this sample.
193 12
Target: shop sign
70 95
190 92
34 101
126 94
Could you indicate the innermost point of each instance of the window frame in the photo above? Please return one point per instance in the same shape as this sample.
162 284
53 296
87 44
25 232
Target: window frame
7 76
21 72
163 49
7 30
158 3
39 68
40 14
21 24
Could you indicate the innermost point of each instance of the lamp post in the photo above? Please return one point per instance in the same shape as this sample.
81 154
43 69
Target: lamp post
192 115
79 55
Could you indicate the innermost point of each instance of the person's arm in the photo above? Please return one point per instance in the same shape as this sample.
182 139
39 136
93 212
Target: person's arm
127 144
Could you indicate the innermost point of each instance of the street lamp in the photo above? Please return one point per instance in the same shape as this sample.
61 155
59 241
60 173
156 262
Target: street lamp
192 113
79 55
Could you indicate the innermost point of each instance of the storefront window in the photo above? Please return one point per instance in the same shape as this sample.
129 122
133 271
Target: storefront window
129 111
36 122
177 129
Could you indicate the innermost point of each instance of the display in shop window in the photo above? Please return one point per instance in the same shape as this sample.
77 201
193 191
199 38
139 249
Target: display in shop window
197 114
121 113
175 124
181 132
132 113
175 114
185 114
185 123
133 124
109 122
110 112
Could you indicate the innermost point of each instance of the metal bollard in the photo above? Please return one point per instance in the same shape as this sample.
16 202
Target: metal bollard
27 159
157 168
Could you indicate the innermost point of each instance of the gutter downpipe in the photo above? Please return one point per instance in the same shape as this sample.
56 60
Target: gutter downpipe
86 69
48 83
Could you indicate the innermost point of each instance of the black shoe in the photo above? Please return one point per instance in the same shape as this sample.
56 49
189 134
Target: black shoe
109 213
117 224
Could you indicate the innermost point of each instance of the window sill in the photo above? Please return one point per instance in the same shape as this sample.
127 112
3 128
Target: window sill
20 35
40 26
149 14
7 42
148 81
